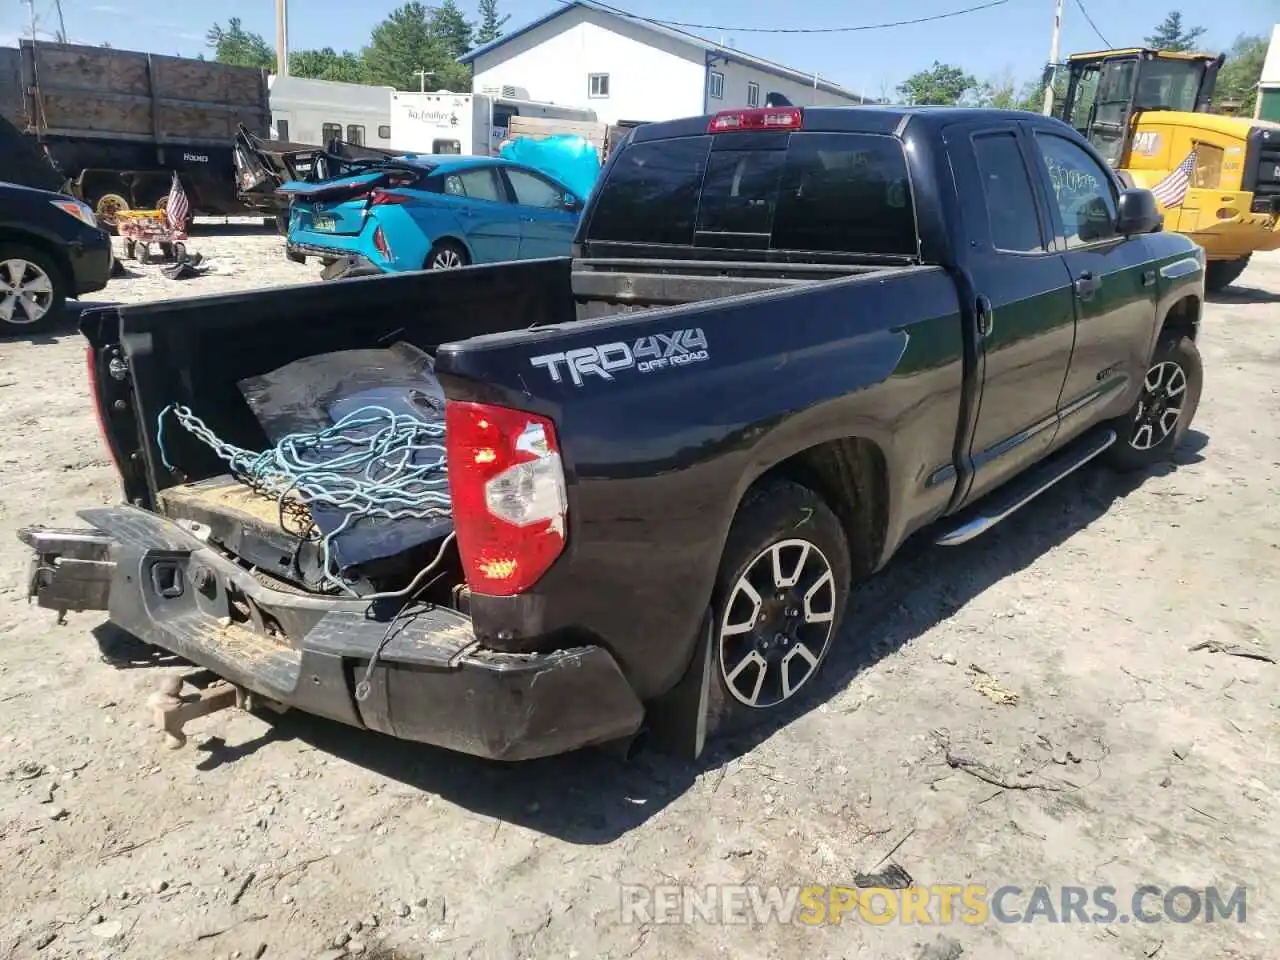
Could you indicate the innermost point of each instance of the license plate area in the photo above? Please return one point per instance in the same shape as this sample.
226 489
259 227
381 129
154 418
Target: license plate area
324 223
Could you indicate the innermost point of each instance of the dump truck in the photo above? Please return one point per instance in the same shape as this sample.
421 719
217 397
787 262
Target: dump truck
119 123
1217 178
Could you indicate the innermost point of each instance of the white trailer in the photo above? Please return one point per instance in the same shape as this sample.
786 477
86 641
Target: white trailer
471 124
317 111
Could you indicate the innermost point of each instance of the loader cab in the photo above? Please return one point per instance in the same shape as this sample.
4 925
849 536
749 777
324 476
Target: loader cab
1106 89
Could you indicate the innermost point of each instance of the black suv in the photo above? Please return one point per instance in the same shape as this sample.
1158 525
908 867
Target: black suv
51 248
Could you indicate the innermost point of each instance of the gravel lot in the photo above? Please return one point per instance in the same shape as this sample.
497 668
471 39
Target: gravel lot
1131 758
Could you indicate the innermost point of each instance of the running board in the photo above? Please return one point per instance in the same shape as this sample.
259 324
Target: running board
1007 500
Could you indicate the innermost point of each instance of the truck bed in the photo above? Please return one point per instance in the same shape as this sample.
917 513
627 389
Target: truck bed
210 344
74 91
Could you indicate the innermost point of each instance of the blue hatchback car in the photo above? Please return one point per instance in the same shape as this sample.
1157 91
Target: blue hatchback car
431 212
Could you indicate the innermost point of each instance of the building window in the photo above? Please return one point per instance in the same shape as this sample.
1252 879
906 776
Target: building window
384 132
598 85
282 129
753 94
355 134
715 85
330 131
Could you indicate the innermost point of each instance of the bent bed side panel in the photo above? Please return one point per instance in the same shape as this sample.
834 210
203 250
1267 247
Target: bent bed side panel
666 416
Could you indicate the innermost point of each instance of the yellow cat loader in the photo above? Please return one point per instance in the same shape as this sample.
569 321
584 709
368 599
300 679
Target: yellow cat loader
1217 178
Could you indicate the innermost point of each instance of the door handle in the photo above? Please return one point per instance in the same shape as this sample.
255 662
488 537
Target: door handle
986 317
1087 285
528 219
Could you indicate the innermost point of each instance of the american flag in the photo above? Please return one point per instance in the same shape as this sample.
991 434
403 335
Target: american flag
1171 190
177 209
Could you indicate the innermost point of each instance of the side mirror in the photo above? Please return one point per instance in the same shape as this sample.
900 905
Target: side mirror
571 202
1137 212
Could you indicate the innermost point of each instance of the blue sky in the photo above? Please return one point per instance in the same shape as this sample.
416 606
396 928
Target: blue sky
1010 38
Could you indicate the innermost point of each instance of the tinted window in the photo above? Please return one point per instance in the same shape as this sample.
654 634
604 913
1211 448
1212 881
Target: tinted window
845 192
739 193
1083 189
330 131
476 184
533 191
1006 188
651 195
355 133
384 132
282 129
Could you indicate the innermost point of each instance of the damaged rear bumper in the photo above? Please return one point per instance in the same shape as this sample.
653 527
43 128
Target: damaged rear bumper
434 683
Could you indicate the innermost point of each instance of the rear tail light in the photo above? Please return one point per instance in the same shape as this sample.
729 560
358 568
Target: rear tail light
506 481
768 118
380 241
383 197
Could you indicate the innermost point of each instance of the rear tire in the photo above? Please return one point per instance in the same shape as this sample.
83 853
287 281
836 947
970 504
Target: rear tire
33 290
1159 419
778 601
447 255
1220 274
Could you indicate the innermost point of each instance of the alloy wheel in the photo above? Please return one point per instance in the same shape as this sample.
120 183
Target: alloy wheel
777 623
446 259
26 292
1160 405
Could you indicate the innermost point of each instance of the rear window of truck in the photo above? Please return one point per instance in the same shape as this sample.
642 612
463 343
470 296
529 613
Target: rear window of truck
826 192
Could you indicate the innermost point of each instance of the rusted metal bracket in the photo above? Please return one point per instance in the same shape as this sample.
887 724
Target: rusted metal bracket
171 710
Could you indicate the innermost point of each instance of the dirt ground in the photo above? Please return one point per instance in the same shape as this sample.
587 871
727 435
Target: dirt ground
1128 758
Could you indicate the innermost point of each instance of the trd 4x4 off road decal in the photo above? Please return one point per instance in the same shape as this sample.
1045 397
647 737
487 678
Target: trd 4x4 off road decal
648 354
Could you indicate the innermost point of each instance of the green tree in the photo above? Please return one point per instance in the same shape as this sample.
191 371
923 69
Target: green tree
238 46
328 64
1004 93
1170 34
407 41
491 23
1238 79
942 84
451 28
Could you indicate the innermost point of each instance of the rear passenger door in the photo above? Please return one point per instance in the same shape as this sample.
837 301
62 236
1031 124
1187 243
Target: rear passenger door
1114 280
478 200
1022 299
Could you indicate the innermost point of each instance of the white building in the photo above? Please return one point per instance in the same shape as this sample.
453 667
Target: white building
584 55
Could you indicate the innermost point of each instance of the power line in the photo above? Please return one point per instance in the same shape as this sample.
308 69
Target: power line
1105 41
680 24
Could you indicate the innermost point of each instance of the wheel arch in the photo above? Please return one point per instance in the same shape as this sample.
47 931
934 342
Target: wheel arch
1183 317
850 475
17 235
450 237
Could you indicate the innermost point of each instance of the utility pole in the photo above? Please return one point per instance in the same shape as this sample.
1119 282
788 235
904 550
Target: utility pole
422 79
62 24
282 38
31 9
1052 73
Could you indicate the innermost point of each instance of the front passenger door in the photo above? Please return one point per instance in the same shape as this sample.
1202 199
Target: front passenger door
1114 284
547 224
1023 302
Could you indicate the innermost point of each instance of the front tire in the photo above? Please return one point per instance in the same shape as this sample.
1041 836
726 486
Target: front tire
778 601
1159 419
33 290
1220 274
447 255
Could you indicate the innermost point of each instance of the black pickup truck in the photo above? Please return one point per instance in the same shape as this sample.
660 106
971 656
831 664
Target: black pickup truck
786 340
